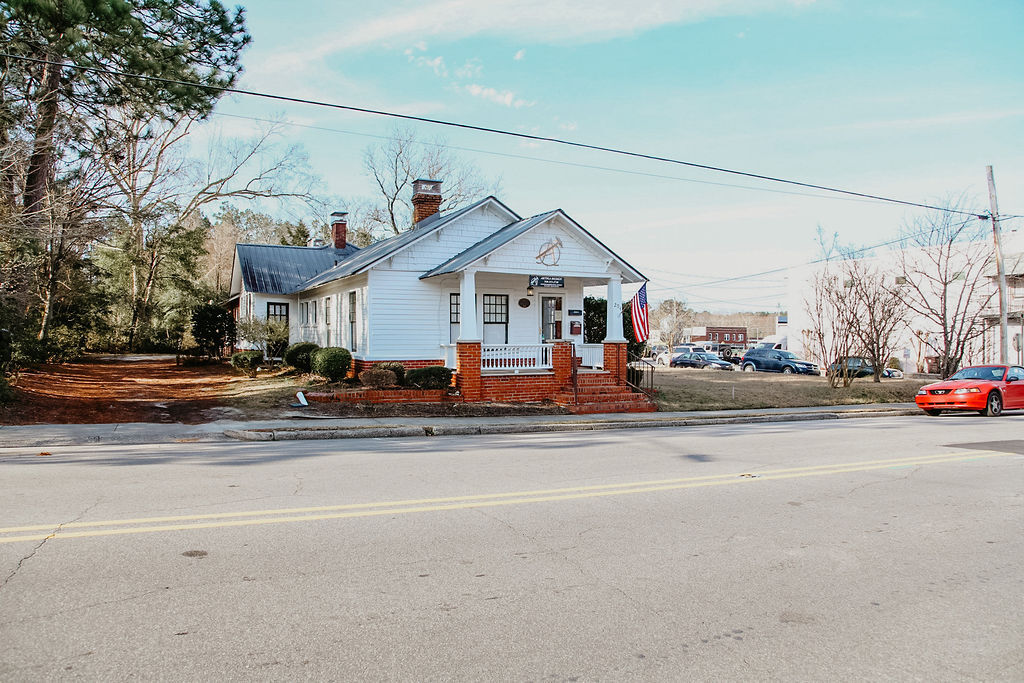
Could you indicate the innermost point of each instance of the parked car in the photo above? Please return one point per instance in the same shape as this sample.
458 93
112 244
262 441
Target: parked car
767 359
656 350
987 389
892 373
700 359
855 366
665 357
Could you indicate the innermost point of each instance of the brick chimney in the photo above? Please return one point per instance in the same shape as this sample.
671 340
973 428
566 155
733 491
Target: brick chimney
426 198
339 229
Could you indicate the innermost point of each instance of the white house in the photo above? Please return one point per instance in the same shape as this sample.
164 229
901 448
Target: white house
482 290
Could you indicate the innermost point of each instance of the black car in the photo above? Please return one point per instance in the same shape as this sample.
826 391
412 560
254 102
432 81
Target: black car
700 359
766 359
855 366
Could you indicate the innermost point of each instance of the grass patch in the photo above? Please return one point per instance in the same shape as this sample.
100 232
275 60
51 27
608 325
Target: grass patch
681 389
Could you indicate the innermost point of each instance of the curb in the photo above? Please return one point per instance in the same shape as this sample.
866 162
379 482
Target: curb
311 433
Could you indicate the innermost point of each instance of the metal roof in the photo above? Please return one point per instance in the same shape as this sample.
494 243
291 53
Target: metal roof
488 244
385 248
281 269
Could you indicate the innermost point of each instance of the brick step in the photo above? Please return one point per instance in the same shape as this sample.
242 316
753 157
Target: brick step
602 378
598 389
591 396
617 407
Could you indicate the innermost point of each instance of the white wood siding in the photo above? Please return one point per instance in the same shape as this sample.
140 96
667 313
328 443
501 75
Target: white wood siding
577 258
449 240
404 312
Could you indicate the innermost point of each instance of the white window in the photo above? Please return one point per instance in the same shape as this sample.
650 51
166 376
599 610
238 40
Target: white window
351 321
726 336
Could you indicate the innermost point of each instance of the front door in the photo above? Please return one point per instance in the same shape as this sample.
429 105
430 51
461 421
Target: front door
550 318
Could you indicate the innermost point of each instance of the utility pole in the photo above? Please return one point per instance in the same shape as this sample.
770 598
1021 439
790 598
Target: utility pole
1000 272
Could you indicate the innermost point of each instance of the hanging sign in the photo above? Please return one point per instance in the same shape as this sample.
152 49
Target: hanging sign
546 281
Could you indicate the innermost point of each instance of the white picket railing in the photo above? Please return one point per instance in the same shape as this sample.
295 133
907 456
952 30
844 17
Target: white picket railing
591 355
449 355
515 357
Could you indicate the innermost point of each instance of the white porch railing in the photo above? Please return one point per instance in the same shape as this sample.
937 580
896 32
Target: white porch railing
515 357
591 355
449 355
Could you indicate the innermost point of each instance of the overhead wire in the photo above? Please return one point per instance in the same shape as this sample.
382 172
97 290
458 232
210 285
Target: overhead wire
487 129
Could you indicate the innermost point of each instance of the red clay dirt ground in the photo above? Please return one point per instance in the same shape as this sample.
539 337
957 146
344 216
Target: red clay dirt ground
118 389
107 389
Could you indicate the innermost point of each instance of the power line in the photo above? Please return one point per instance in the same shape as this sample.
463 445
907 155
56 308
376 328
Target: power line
485 129
559 162
799 265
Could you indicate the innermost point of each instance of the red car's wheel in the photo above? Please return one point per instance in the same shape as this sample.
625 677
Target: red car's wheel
933 412
993 406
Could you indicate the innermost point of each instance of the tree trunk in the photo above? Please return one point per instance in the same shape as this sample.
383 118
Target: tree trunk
40 165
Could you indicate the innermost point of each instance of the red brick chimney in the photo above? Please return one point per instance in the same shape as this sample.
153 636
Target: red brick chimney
426 198
339 229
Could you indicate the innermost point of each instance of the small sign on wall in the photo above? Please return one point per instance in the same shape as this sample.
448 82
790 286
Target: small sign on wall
575 311
546 281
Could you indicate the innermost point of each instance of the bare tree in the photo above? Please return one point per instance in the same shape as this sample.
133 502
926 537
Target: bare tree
878 311
161 189
403 158
943 267
833 319
671 317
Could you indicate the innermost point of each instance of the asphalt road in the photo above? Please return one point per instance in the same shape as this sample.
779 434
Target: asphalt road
886 548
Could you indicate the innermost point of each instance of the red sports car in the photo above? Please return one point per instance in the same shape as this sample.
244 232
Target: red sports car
985 388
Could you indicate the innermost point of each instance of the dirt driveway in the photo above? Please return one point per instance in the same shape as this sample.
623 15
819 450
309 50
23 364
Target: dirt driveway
106 389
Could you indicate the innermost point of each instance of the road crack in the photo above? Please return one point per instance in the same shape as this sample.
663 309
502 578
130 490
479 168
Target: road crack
41 543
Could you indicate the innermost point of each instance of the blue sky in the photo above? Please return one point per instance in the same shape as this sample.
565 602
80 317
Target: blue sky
910 99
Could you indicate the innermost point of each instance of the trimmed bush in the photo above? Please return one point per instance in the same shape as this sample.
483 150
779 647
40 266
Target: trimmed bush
331 362
247 361
395 367
298 355
377 377
6 392
433 377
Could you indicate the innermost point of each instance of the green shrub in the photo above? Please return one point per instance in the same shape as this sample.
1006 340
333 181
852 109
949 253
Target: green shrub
298 355
377 377
213 328
395 367
247 361
331 362
433 377
6 392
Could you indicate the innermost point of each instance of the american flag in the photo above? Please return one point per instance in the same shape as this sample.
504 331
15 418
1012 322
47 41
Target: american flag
638 307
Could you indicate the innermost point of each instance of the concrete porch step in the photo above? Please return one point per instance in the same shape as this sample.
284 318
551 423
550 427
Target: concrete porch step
643 406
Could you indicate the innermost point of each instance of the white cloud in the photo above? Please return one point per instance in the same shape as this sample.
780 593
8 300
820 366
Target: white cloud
568 125
519 55
471 69
538 20
503 97
435 63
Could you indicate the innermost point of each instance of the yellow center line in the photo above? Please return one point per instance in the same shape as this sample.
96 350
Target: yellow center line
357 510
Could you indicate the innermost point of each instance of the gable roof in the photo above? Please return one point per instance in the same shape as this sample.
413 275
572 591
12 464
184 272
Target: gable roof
383 249
488 244
281 269
496 240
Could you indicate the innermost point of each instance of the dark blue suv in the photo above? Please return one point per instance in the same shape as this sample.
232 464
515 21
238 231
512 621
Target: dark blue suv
766 359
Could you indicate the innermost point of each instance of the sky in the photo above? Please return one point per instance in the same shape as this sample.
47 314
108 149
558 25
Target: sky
909 99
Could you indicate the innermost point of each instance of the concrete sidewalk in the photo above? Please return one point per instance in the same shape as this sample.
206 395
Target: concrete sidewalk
294 426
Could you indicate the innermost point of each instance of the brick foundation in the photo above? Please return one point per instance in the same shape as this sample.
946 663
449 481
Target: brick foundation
467 379
518 388
382 396
358 365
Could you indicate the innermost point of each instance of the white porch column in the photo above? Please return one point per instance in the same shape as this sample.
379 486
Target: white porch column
469 328
613 324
